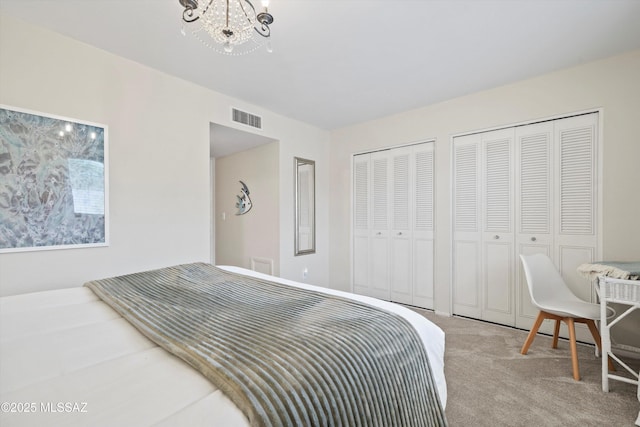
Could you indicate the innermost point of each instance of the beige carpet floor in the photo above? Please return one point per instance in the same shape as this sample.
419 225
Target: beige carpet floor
491 384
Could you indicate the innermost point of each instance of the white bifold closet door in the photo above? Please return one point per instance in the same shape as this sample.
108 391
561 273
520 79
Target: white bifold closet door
393 224
484 229
522 190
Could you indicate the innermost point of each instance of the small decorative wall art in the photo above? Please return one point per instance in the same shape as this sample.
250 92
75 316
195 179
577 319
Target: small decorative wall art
244 202
53 182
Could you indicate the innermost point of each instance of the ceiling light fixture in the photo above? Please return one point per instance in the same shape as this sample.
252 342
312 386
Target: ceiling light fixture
232 24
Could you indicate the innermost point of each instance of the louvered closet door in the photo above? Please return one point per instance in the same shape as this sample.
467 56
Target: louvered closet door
361 223
576 199
380 225
546 204
467 235
423 225
534 231
401 233
498 272
393 224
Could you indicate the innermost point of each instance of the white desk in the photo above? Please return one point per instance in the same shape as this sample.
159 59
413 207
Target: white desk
626 292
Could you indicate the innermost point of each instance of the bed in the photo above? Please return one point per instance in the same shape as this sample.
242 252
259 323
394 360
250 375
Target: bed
68 358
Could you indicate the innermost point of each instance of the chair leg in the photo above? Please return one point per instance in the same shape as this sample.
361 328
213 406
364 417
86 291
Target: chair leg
574 348
556 334
596 337
532 333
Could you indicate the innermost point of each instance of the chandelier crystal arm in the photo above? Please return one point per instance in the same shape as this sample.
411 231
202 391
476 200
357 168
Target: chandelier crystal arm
265 19
247 14
188 14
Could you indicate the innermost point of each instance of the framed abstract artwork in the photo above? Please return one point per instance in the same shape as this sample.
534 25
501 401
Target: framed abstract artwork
53 182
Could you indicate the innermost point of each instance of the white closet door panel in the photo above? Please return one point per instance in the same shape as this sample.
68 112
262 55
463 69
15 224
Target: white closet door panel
425 183
576 172
361 224
400 236
466 158
466 274
576 175
361 192
361 264
402 197
380 222
498 295
534 179
576 182
423 225
497 197
534 201
401 261
466 219
467 189
467 235
379 267
423 272
497 225
380 190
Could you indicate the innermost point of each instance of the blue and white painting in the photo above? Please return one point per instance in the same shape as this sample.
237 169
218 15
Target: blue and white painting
52 182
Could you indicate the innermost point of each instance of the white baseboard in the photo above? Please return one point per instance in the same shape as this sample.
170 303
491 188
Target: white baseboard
626 351
442 313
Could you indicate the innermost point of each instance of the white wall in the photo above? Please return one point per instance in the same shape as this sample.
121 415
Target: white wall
612 84
256 233
159 158
302 145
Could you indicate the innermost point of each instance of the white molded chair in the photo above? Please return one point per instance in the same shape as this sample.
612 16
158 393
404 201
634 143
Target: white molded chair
550 294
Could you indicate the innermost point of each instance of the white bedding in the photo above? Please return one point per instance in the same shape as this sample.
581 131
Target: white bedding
69 359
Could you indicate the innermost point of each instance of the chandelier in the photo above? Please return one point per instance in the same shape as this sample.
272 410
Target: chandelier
231 24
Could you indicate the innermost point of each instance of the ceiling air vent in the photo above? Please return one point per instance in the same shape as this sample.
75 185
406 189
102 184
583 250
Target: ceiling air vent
246 118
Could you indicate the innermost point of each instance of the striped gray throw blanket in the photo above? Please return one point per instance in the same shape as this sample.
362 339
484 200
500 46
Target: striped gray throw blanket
285 356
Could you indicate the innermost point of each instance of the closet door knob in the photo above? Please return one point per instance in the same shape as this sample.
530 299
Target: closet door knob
399 233
533 239
378 233
496 237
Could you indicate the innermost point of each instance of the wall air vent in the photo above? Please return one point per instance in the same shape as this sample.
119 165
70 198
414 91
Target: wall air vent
246 118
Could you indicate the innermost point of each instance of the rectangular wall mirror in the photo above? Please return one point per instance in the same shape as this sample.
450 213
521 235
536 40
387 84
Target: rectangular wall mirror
305 206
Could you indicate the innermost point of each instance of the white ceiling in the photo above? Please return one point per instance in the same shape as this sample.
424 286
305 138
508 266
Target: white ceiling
340 62
225 140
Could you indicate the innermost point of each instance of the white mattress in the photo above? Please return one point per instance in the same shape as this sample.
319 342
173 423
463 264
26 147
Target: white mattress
66 358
